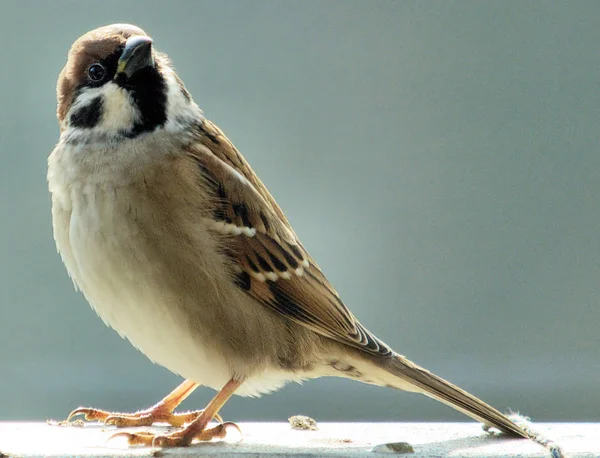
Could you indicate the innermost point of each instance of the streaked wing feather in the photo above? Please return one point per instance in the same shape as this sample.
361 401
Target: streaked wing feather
272 265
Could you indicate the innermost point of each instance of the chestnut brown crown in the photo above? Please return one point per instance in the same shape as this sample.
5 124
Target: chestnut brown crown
96 45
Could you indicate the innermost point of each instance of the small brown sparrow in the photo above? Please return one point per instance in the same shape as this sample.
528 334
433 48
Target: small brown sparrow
178 246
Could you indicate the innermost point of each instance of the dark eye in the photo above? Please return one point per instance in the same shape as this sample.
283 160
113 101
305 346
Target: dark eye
96 73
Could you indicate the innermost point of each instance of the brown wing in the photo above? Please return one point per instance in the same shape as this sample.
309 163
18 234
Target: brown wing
272 265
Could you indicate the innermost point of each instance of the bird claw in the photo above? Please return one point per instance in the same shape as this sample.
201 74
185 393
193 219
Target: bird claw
124 420
143 418
231 424
180 438
88 413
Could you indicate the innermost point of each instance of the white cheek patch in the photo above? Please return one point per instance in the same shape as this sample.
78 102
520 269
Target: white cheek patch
119 111
107 114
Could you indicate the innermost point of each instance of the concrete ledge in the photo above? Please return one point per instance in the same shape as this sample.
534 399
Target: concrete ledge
280 440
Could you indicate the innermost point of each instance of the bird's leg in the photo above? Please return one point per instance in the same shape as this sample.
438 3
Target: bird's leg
196 430
161 412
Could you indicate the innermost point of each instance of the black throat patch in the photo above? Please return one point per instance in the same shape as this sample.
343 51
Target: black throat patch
148 90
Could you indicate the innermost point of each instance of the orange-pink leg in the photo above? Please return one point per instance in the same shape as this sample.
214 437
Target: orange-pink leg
162 412
196 430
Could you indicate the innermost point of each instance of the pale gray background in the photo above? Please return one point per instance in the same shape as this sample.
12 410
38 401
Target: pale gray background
439 159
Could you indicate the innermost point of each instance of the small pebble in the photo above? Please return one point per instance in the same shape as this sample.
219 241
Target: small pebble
394 447
302 422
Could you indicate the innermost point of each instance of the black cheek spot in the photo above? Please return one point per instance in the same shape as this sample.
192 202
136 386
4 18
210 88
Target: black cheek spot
88 115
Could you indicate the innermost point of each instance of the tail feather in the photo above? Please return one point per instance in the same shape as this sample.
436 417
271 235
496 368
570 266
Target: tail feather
437 388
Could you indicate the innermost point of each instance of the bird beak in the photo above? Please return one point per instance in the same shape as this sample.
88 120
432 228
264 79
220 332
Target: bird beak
136 55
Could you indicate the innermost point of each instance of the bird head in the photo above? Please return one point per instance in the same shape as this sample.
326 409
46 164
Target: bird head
115 86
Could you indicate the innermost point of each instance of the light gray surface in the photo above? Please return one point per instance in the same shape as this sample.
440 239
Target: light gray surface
440 160
331 439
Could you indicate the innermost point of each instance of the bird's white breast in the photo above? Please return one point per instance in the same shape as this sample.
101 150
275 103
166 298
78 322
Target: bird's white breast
98 215
103 251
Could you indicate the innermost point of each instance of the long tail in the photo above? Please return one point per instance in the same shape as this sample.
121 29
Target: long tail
403 374
443 391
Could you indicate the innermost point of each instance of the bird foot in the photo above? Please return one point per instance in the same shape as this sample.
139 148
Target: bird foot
156 414
181 438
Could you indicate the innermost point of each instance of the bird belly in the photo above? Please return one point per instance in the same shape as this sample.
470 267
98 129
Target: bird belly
123 284
107 254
